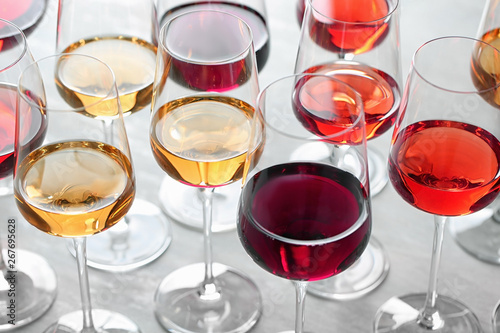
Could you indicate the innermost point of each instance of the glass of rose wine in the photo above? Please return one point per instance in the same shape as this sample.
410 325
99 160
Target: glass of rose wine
25 14
34 278
445 162
204 97
123 34
176 198
306 218
357 41
80 181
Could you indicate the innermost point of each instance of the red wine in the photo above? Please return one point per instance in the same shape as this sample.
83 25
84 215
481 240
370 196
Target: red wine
254 19
358 27
378 90
23 13
445 167
286 208
34 134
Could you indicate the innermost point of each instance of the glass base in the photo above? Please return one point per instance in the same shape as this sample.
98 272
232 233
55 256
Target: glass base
363 276
180 309
104 322
143 235
495 320
399 314
36 289
479 233
377 169
183 204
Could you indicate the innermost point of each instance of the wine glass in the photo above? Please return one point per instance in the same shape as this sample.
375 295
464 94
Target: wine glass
204 95
81 180
183 203
35 280
444 160
476 233
123 34
25 14
303 218
344 39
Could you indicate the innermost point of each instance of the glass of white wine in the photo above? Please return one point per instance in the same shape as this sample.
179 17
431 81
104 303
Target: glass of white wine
123 34
79 181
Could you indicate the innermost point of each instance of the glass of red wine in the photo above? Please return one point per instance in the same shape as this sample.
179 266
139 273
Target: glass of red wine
176 198
32 275
357 41
476 233
444 160
306 218
204 98
123 34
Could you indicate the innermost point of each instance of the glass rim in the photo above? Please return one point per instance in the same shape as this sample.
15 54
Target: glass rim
415 67
112 91
166 25
382 18
359 103
25 44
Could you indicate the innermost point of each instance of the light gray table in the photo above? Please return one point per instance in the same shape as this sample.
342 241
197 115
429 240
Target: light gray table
405 232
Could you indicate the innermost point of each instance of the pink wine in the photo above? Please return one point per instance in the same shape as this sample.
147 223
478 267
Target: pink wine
358 27
286 207
378 90
34 134
254 19
23 13
445 167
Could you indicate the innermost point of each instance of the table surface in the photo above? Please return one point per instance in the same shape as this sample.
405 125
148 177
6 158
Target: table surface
405 232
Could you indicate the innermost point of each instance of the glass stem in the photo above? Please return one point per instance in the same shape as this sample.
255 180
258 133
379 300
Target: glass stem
209 289
81 260
429 316
300 290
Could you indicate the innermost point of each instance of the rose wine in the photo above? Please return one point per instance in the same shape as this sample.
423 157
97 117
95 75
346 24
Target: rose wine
359 24
378 90
133 62
486 67
445 167
202 140
304 221
74 189
254 19
23 13
32 135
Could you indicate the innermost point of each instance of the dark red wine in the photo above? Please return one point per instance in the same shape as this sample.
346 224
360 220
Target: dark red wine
445 167
23 13
378 90
286 208
35 132
358 27
254 19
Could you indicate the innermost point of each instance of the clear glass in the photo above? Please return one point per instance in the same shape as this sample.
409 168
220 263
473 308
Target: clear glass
206 87
286 221
438 148
183 203
74 176
32 275
124 35
360 47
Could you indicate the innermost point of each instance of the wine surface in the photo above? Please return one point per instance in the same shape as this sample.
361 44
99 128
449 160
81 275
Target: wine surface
202 140
254 19
379 92
133 62
287 207
445 167
74 189
23 13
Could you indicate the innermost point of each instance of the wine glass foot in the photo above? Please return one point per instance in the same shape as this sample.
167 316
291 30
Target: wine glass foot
140 238
365 275
179 308
495 320
182 203
377 168
35 287
104 322
477 233
400 314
